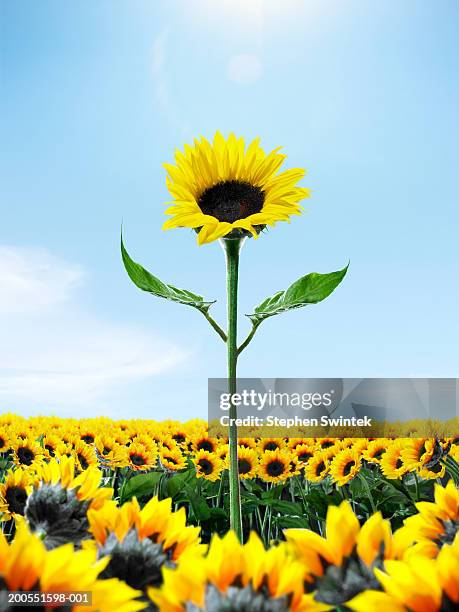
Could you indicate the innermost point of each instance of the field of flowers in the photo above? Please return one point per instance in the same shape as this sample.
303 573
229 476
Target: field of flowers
136 512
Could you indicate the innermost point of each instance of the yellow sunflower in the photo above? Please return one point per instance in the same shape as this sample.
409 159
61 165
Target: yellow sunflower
140 458
13 493
392 464
27 452
416 584
345 466
84 455
438 521
224 188
317 468
172 459
53 446
271 444
208 465
203 442
303 452
247 459
26 565
275 466
375 450
155 521
5 436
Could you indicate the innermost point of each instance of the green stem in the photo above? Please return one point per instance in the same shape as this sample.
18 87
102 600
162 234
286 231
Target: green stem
416 482
247 340
215 325
232 248
366 486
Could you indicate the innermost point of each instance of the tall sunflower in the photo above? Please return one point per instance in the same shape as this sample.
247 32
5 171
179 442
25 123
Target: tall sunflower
224 188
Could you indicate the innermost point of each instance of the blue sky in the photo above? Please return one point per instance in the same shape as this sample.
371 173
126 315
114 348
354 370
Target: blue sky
95 96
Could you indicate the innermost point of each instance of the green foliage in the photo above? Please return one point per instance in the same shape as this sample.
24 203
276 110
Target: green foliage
145 281
309 289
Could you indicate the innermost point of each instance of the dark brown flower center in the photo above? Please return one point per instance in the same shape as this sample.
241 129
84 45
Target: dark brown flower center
348 467
244 466
206 445
205 466
83 462
88 438
16 498
137 459
320 468
231 200
271 446
275 468
25 455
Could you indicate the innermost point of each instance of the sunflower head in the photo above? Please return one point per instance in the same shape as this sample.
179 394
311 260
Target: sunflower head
227 189
127 556
275 465
57 515
208 465
247 459
13 494
345 466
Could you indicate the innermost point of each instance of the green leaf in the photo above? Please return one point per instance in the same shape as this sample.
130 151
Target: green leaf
309 289
151 284
291 522
141 485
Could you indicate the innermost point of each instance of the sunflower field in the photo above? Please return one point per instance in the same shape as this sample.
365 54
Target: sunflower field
136 513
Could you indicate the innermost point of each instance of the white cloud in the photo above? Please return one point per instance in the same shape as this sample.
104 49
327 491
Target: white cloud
54 356
34 280
245 68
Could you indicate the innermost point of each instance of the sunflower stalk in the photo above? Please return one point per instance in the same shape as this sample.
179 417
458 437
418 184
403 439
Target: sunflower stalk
232 248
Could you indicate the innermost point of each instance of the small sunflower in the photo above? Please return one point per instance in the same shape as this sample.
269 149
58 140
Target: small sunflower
208 465
345 465
223 452
275 465
110 453
13 494
5 437
140 458
304 453
172 459
247 443
27 452
247 460
324 443
270 444
53 446
318 467
84 455
203 442
375 450
224 188
392 464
